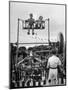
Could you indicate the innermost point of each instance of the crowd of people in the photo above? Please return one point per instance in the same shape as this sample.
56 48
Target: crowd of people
33 66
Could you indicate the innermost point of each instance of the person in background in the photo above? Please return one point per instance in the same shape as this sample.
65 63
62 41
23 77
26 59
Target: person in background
52 64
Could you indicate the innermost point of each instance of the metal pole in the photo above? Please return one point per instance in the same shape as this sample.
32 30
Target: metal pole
49 34
17 41
48 30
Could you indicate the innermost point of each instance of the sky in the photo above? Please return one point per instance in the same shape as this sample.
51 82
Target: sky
56 14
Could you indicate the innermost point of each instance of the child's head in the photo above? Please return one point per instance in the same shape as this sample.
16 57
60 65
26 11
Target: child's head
31 15
40 17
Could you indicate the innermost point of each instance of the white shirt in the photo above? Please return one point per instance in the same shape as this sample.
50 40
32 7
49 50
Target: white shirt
31 54
53 62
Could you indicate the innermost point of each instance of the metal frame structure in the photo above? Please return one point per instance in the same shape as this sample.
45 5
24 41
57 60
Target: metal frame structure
30 43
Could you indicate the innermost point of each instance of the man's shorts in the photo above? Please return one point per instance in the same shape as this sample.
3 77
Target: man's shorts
53 74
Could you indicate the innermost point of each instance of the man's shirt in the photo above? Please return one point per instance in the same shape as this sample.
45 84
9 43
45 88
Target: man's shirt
53 62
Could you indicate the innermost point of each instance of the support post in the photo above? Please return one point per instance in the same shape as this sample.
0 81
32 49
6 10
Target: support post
48 30
17 41
49 33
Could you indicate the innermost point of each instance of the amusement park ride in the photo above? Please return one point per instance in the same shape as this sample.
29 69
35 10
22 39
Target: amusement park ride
33 25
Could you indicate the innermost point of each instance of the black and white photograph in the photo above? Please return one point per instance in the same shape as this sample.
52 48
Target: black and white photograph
37 44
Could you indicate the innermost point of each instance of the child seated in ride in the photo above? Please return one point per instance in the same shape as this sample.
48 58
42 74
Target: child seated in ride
31 22
40 23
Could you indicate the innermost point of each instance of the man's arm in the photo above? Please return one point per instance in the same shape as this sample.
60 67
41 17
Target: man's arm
59 62
48 64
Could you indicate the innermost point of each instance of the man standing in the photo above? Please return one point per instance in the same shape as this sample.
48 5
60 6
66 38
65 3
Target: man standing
53 63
